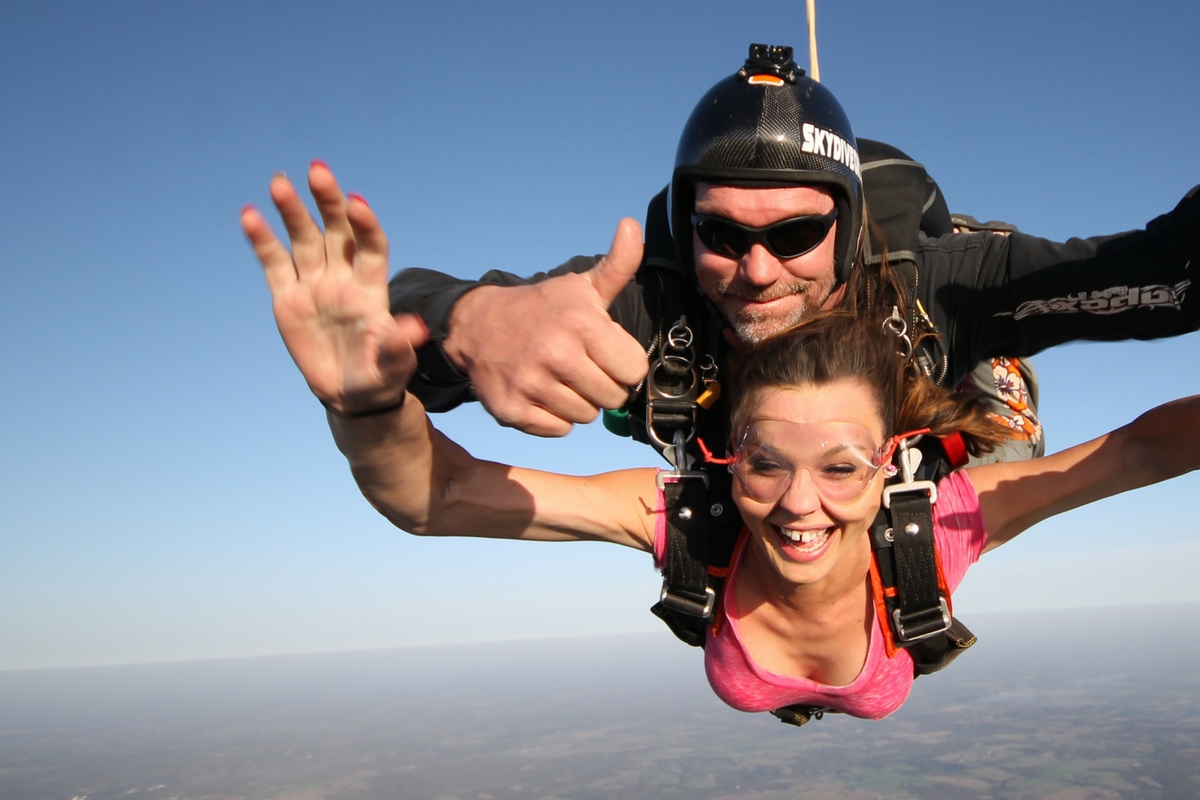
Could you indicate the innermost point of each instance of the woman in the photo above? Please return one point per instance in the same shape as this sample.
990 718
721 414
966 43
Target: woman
817 415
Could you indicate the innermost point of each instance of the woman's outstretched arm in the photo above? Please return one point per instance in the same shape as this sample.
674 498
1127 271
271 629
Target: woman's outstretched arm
1160 444
428 485
329 295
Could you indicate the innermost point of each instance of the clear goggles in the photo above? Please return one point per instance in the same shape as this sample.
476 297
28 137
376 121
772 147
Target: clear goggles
841 459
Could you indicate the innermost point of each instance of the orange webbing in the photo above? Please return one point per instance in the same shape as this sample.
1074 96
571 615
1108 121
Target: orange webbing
878 592
724 572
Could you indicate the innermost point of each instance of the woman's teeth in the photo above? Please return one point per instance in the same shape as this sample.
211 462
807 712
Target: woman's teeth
805 537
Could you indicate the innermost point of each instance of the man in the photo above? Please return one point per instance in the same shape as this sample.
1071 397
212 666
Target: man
544 356
764 223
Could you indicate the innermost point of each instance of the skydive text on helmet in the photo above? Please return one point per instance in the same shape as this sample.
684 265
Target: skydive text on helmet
827 143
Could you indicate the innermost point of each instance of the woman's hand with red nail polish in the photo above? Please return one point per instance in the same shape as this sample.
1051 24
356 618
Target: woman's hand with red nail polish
330 296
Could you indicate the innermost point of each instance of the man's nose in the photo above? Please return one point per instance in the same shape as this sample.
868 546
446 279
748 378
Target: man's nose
759 267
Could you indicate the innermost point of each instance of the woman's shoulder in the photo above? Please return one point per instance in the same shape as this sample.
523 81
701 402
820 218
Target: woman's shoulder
956 490
958 526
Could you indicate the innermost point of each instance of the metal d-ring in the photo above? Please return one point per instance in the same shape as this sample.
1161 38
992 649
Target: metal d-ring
896 326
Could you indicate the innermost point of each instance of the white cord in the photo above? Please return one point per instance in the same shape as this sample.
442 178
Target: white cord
815 70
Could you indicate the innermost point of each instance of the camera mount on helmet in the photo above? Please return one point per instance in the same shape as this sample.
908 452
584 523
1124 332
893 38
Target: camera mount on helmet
768 59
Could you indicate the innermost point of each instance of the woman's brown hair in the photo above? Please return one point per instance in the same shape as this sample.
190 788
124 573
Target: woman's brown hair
838 344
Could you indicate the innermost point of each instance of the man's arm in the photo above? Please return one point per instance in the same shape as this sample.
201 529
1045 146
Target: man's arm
539 355
1017 295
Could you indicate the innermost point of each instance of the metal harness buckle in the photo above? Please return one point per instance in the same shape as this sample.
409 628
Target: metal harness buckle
682 461
909 461
799 715
671 389
902 633
686 605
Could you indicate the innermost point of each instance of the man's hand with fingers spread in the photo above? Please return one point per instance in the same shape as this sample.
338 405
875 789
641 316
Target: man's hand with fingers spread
545 356
330 298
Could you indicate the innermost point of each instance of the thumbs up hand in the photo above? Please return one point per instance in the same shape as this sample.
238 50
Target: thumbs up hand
544 356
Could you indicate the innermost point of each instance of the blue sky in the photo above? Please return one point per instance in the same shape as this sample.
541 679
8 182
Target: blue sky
168 489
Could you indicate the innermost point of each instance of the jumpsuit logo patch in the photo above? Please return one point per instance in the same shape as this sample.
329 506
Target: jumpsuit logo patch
1113 300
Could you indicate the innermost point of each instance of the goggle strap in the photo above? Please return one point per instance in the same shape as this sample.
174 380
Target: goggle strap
709 458
890 453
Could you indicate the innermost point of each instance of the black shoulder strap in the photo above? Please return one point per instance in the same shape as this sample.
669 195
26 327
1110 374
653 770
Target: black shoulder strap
915 601
688 597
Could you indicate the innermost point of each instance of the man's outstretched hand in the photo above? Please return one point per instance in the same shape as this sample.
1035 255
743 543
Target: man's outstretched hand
544 356
330 297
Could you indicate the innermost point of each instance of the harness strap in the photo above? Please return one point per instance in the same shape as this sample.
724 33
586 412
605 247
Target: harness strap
687 550
687 601
909 587
938 652
800 714
701 522
920 610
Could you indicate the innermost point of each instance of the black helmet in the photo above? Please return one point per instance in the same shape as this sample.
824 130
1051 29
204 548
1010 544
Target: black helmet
770 125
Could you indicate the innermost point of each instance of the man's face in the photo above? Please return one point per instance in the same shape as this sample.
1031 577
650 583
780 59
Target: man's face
759 294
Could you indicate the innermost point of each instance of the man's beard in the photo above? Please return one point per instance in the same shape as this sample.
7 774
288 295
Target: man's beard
754 326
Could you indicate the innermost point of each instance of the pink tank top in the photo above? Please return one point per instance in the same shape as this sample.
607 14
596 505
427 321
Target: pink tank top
884 682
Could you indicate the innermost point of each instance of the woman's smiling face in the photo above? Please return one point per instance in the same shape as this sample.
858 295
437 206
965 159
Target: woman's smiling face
814 528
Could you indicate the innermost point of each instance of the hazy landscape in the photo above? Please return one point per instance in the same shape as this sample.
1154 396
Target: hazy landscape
1071 705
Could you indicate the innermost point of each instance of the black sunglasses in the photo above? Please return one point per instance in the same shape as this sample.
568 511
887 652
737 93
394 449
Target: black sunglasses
785 239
